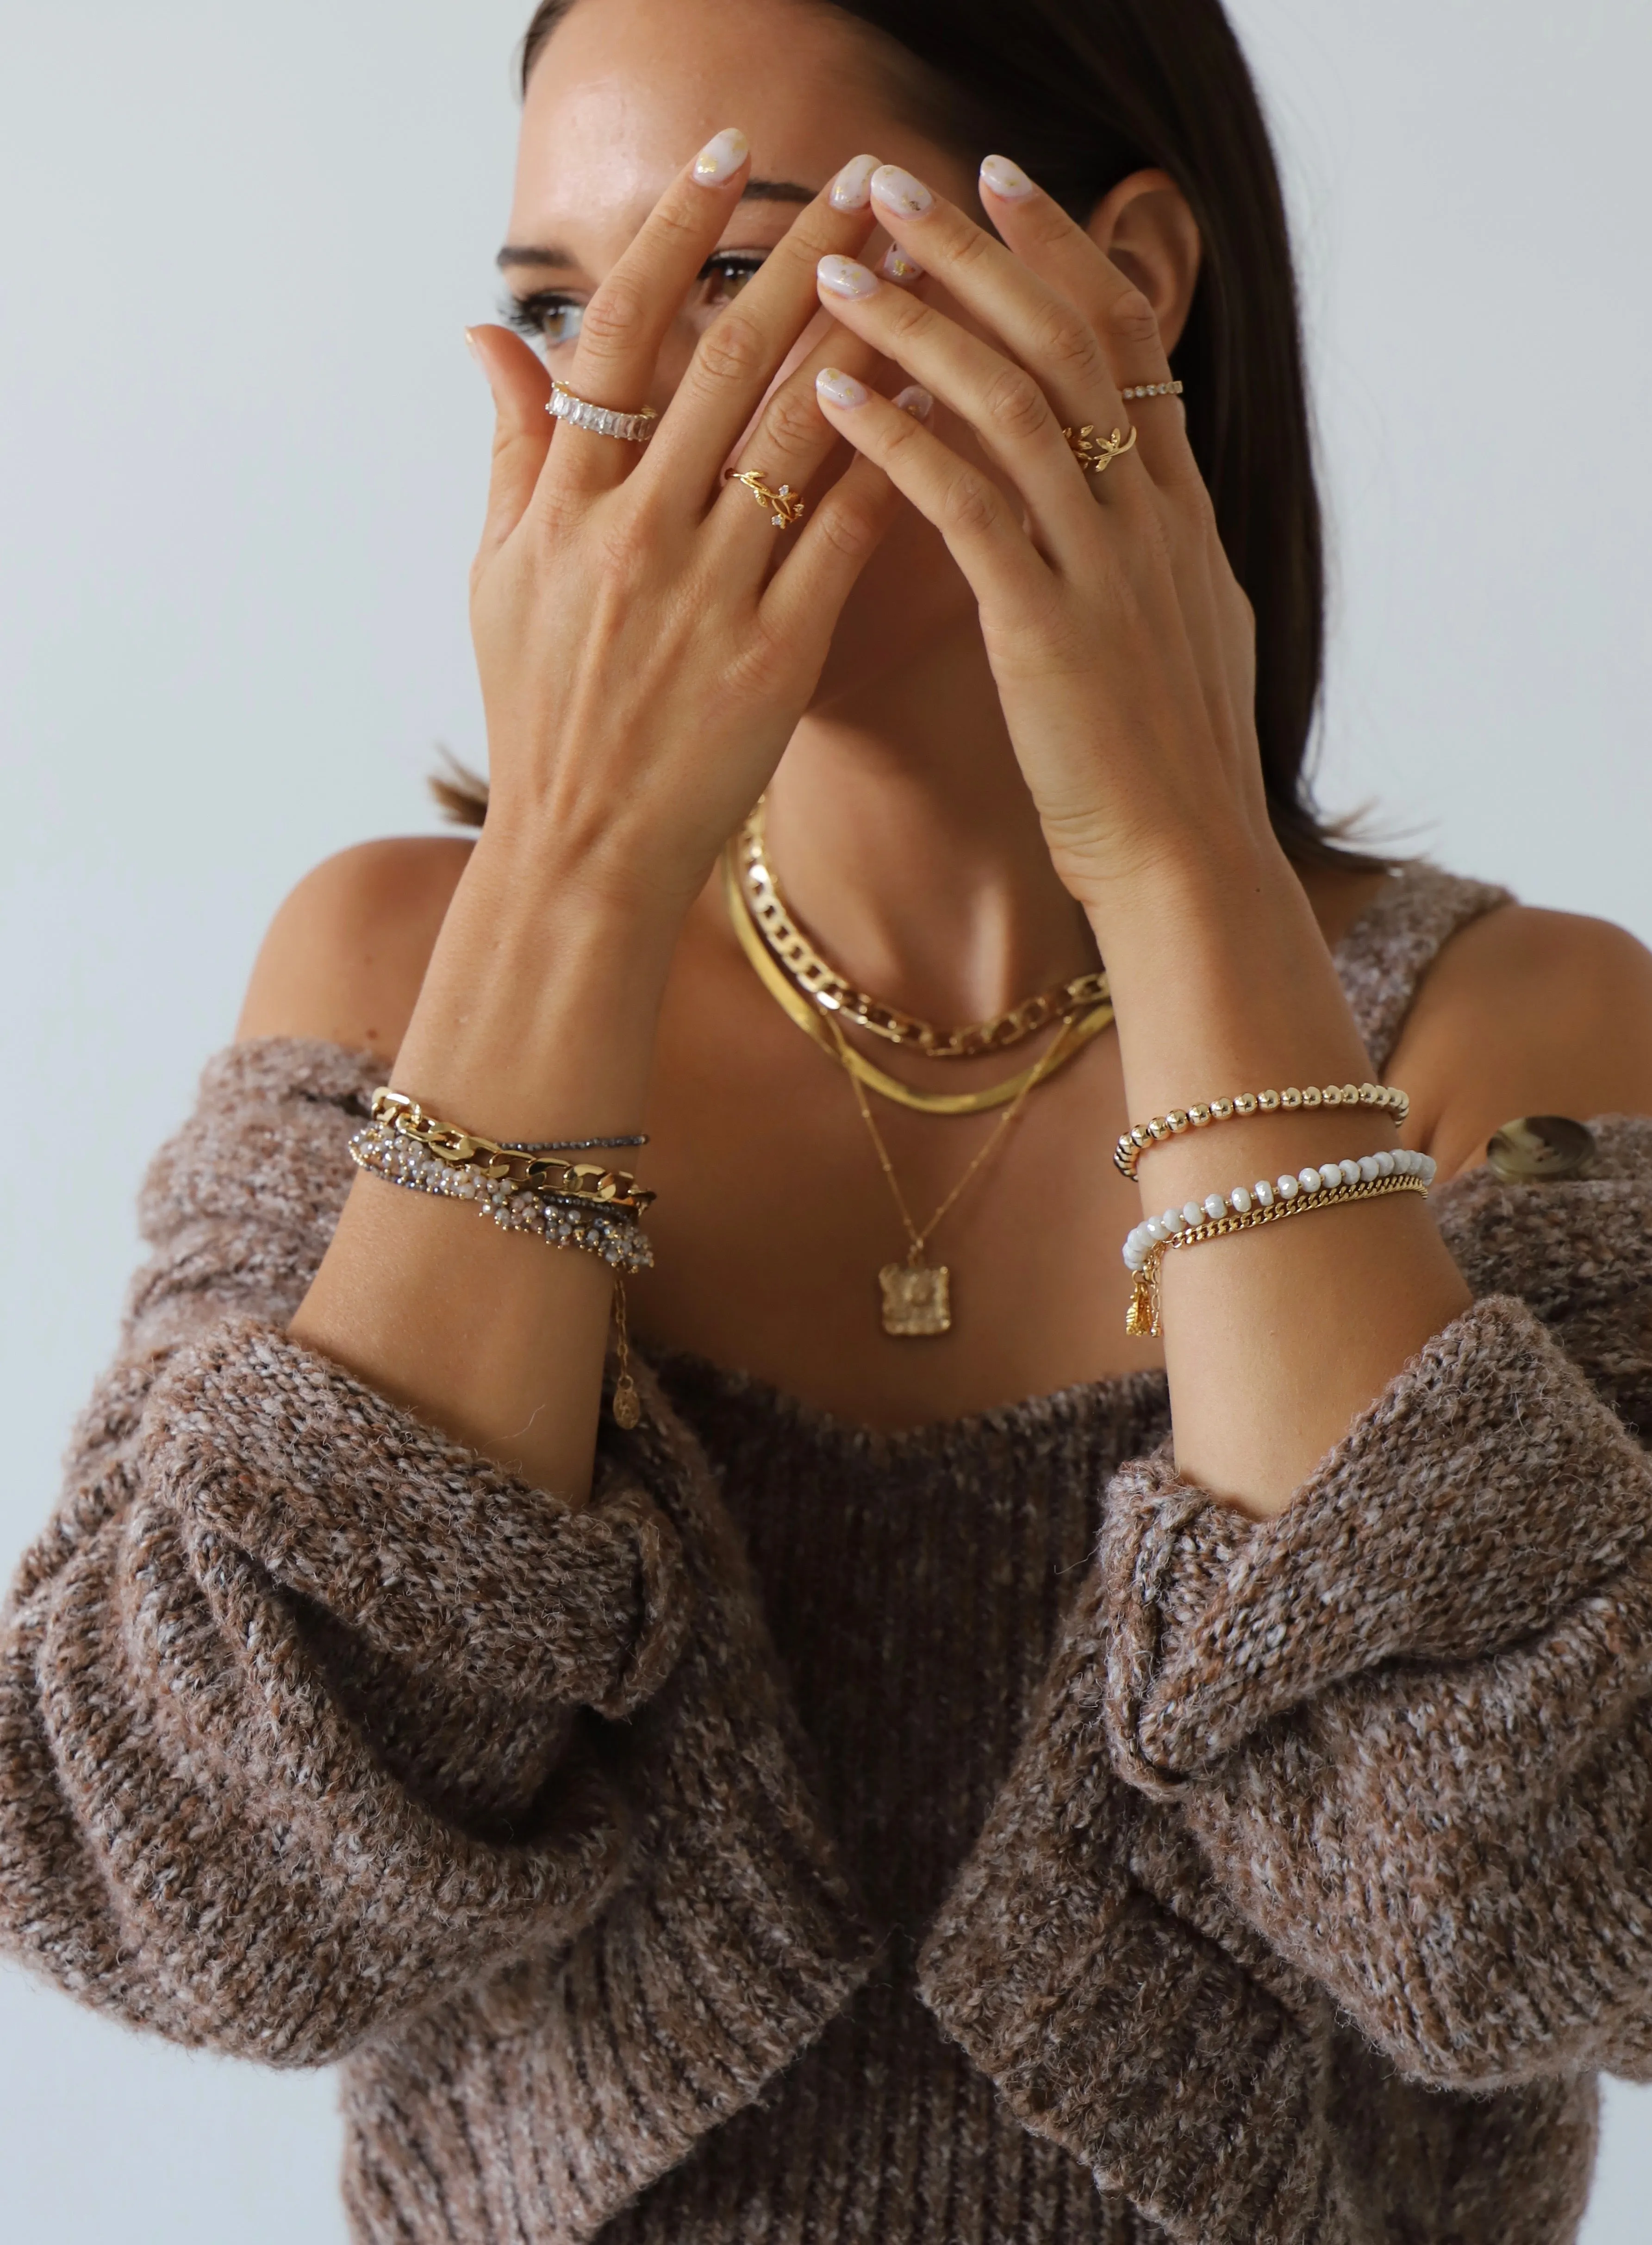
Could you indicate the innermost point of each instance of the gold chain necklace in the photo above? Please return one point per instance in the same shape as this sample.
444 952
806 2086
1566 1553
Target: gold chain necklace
820 1022
917 1296
830 993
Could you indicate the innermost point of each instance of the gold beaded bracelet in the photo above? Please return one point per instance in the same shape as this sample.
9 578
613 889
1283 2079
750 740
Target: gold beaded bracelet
1382 1099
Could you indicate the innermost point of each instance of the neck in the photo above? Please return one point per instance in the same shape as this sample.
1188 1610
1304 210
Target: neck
906 843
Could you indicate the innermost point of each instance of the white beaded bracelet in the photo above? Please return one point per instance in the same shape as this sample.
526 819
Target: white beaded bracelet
1246 1207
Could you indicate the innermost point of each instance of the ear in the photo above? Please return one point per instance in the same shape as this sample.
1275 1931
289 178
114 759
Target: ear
1146 227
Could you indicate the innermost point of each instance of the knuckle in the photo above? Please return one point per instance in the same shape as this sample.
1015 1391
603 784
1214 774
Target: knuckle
623 547
969 505
794 422
1015 404
850 528
1131 318
614 318
970 250
1064 337
732 350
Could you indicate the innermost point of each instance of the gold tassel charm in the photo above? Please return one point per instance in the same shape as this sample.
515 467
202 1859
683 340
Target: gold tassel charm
1142 1322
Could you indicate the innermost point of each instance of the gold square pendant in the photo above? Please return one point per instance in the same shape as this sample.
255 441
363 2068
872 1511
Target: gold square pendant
918 1302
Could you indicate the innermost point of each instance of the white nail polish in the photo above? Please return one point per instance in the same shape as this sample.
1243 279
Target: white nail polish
852 188
1006 180
898 266
899 191
841 276
840 389
915 400
721 157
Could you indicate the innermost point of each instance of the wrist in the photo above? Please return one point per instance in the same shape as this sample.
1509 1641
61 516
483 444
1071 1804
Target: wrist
537 1015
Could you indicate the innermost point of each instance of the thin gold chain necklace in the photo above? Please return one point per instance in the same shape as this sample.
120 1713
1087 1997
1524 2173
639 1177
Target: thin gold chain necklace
917 1296
818 1019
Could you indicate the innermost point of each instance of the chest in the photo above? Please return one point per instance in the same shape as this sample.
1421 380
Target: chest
776 1220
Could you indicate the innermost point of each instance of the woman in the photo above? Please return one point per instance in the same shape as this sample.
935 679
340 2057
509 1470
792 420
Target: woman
749 1810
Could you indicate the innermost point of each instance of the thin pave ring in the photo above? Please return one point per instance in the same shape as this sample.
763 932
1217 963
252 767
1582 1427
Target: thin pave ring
1153 389
599 420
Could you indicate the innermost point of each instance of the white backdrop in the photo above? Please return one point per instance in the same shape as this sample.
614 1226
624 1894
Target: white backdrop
241 456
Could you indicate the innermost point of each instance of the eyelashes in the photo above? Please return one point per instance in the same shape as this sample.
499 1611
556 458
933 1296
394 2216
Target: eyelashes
551 317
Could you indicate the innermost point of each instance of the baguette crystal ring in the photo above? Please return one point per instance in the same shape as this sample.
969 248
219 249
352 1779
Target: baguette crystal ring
1095 455
783 507
600 420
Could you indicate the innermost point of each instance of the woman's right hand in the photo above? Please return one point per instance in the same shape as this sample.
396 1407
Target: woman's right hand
646 642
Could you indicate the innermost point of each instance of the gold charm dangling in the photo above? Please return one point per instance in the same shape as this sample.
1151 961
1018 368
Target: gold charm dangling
917 1300
626 1404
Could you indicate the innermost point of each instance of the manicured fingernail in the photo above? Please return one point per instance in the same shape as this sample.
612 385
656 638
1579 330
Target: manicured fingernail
915 400
844 278
852 188
899 191
1007 181
898 266
721 157
840 389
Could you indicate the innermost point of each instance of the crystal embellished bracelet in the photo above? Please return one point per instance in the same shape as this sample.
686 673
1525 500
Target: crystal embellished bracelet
1371 1178
1380 1097
531 1189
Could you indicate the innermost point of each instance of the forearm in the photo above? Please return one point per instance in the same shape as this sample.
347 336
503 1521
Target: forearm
1277 1338
536 1022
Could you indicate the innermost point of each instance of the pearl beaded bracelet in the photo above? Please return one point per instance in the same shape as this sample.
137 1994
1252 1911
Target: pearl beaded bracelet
1368 1178
1136 1141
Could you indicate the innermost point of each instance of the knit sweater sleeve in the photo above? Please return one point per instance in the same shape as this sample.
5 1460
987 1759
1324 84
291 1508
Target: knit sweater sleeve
300 1704
1387 1758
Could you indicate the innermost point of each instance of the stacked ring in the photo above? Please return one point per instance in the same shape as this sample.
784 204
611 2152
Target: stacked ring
1154 390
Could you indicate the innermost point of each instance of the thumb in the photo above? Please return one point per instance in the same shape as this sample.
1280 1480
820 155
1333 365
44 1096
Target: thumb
522 432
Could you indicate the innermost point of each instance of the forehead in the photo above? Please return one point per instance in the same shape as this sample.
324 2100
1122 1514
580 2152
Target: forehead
626 90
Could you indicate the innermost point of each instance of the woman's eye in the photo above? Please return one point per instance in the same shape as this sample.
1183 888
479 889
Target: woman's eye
721 278
546 319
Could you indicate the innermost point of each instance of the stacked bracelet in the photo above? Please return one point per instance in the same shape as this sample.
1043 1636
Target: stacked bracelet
1380 1097
531 1189
1370 1177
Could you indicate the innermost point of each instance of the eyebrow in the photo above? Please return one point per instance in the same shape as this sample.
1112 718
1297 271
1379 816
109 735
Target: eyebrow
757 191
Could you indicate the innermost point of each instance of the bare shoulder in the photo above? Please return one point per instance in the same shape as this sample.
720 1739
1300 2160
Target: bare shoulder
1527 1013
346 954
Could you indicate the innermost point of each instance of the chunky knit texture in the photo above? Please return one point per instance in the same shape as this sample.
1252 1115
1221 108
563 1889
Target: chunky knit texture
972 1836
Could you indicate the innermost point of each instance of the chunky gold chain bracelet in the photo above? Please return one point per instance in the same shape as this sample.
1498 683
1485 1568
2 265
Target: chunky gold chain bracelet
529 1169
1383 1099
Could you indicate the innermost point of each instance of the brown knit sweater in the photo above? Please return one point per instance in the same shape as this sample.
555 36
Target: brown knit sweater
977 1834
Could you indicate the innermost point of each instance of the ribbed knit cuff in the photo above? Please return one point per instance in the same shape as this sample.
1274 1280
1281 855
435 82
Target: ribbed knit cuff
1484 1492
1186 2071
429 1553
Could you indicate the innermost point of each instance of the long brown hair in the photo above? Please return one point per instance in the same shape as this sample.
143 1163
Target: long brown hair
1082 93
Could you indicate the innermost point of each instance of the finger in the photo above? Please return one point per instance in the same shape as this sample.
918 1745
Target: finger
801 607
1050 243
627 320
521 429
789 443
1004 403
1042 327
745 348
981 526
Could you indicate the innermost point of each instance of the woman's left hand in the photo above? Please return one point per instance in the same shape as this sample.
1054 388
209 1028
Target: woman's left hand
1122 643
